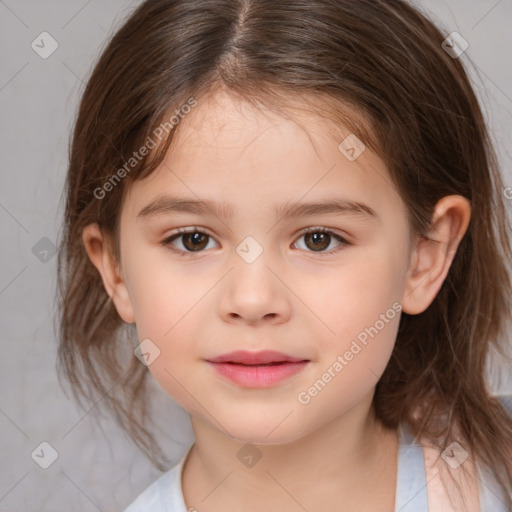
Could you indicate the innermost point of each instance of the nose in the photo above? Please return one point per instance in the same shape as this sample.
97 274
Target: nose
253 293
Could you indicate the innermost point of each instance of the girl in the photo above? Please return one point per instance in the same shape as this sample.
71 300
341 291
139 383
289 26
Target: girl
297 207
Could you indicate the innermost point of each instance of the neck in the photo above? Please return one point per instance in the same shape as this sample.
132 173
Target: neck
343 454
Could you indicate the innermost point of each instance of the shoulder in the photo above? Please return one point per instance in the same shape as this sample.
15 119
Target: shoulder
455 466
446 470
492 498
163 494
506 401
153 497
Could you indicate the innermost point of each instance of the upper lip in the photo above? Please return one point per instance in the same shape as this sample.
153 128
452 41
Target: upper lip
254 358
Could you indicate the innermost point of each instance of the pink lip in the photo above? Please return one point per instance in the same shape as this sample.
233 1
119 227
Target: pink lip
257 369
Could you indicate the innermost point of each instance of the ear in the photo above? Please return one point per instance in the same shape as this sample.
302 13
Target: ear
99 250
433 255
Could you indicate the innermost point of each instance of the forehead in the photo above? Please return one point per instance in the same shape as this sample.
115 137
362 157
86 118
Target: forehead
250 158
222 120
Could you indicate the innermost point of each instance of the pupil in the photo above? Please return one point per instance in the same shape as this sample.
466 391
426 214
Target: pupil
196 239
318 238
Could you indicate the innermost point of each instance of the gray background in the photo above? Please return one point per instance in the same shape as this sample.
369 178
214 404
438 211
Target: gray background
98 468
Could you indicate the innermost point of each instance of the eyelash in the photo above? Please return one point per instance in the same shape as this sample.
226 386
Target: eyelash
167 241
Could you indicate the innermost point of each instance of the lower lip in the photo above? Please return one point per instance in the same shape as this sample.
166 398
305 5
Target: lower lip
262 376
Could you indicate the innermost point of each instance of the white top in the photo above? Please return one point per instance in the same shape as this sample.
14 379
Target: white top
412 494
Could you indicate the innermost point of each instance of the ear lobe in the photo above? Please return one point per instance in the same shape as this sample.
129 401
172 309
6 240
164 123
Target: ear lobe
433 255
99 250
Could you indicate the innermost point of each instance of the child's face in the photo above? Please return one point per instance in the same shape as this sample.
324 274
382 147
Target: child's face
304 296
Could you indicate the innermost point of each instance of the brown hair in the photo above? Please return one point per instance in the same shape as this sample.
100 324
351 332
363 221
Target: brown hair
381 57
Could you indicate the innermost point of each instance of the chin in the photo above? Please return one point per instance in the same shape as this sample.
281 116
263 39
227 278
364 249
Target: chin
265 433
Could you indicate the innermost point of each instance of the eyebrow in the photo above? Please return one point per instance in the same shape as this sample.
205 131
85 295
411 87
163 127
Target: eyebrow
173 204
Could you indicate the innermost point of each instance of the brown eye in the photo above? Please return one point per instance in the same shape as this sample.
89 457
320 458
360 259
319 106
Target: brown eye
319 239
193 240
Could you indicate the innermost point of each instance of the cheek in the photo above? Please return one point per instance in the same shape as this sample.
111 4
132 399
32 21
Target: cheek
361 307
359 293
175 333
166 301
161 293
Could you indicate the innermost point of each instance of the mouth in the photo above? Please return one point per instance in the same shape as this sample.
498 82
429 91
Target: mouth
257 369
261 358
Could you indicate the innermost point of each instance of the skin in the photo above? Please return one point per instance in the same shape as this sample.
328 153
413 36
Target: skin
290 299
